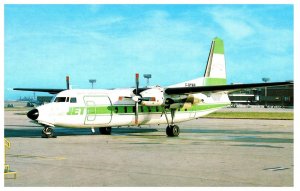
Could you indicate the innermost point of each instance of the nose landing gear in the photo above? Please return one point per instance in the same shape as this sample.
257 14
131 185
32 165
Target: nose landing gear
48 132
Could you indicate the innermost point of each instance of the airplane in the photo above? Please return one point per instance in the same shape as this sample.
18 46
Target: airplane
107 108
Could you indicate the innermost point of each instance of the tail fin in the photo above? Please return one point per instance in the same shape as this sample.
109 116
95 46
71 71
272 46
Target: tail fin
215 72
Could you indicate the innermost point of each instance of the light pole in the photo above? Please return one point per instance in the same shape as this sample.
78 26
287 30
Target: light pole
147 76
92 81
265 80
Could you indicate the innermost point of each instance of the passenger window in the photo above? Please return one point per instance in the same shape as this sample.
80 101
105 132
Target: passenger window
145 109
73 100
141 108
130 109
67 99
125 109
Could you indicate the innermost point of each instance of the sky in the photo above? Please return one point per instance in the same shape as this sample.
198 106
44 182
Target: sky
110 43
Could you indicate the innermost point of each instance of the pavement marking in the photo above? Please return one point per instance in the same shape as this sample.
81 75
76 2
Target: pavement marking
37 157
276 168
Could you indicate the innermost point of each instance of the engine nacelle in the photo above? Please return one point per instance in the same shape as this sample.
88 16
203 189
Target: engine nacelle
152 97
180 106
192 99
183 99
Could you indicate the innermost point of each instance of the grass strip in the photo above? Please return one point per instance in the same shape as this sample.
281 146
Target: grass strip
252 115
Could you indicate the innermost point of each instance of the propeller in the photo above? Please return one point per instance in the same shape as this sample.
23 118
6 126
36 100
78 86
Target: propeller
137 98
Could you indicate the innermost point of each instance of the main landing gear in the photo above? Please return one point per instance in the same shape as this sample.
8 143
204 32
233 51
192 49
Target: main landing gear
48 132
172 130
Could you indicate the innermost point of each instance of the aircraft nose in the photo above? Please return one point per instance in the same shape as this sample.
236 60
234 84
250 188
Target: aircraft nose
33 114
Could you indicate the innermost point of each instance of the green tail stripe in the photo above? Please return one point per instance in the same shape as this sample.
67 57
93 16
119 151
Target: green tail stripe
219 46
214 81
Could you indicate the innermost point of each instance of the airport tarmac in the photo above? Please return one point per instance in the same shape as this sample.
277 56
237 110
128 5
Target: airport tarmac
208 152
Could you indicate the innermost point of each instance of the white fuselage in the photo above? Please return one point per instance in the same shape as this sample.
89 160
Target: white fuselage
104 108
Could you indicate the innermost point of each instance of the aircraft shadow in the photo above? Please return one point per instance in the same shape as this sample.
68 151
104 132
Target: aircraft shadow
22 126
221 131
36 133
224 135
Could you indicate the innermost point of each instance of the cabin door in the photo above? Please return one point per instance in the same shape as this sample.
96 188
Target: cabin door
98 110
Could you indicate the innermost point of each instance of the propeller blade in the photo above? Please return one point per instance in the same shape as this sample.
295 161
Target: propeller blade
136 102
137 83
136 113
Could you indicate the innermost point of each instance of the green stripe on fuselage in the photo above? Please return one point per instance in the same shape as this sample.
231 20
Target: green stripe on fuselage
130 109
202 107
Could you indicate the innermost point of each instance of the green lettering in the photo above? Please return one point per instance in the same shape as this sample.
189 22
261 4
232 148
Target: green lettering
70 111
82 110
75 111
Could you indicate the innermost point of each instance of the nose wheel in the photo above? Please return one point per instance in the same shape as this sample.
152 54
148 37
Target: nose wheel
48 132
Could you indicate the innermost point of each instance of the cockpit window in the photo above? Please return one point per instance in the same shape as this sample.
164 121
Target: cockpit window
60 99
73 100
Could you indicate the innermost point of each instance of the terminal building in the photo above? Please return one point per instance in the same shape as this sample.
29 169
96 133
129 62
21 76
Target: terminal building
277 96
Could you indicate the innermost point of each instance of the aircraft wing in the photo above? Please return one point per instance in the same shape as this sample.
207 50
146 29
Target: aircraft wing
233 87
50 91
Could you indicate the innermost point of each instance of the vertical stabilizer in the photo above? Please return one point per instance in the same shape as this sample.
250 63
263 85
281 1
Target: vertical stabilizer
215 72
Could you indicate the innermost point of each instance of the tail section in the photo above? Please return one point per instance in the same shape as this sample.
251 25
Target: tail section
215 72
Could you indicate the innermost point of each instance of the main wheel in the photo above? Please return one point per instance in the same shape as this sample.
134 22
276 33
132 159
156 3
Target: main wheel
47 132
172 131
169 131
105 130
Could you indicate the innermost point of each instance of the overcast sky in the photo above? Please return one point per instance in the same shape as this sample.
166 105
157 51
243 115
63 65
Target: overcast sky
110 43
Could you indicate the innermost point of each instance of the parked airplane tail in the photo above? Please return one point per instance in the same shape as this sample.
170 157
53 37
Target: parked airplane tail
215 72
